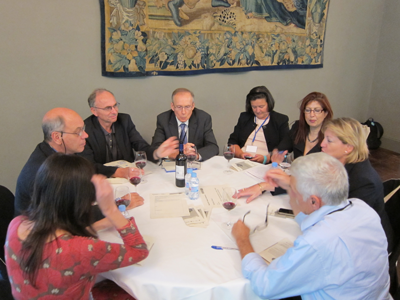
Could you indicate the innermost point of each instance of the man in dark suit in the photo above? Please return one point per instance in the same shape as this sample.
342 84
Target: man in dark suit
113 136
193 126
64 132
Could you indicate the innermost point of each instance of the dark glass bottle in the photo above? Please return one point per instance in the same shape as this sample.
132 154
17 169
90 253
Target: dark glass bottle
180 167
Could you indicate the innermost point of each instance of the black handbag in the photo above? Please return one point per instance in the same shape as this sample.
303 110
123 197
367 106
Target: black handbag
375 134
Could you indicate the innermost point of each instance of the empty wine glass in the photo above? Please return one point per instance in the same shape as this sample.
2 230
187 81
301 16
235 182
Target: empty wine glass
229 153
141 161
192 155
136 178
229 202
122 197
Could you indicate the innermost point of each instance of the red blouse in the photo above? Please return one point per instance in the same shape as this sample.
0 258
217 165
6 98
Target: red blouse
71 263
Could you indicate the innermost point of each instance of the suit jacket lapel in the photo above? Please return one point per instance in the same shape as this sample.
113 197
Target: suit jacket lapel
173 125
101 140
193 127
120 139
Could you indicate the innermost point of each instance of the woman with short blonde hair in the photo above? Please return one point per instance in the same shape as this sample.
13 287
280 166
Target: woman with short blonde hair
346 140
350 132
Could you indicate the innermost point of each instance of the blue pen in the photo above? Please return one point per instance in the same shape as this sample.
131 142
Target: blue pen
222 248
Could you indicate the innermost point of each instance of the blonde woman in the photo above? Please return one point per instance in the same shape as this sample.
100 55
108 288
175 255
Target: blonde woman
346 140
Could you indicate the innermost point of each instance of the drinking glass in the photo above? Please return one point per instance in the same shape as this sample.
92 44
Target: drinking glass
141 161
136 178
192 156
229 153
285 164
122 196
229 202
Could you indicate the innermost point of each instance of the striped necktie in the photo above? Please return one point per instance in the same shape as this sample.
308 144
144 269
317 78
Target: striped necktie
183 137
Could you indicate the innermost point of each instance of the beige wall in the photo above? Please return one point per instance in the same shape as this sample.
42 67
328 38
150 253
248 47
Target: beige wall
50 56
385 94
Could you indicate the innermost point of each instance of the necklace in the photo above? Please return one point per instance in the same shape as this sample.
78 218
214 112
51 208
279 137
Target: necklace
308 138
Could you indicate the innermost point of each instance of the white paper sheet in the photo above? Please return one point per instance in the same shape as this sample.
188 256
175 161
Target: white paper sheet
169 205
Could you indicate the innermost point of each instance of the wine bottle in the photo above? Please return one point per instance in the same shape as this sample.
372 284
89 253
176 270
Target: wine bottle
180 167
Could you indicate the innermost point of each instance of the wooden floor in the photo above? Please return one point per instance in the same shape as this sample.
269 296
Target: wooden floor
386 163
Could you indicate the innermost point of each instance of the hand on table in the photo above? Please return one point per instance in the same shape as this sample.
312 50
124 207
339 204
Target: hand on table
253 191
136 200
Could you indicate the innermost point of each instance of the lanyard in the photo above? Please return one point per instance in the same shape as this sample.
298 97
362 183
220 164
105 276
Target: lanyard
340 209
255 133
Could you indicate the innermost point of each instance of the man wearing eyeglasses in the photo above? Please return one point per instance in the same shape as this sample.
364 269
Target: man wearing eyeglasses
64 131
192 126
112 136
341 253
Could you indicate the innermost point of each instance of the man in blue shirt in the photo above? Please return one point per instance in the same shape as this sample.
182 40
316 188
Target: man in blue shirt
342 251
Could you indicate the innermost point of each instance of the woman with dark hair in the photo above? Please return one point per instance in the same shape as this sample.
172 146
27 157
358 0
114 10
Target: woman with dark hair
260 129
305 136
53 250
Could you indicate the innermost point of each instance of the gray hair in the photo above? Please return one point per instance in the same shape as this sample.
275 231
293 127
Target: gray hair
321 175
93 95
51 125
181 90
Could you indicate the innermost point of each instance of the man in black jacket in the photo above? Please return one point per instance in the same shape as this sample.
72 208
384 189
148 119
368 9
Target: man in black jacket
113 136
196 124
64 131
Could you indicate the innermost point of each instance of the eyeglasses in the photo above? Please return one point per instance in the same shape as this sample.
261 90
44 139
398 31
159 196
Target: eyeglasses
109 108
79 133
315 110
183 107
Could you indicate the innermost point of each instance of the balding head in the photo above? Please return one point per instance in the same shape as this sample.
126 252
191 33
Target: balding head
54 120
60 121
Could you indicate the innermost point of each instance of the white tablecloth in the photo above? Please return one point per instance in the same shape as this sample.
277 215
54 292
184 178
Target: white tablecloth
182 264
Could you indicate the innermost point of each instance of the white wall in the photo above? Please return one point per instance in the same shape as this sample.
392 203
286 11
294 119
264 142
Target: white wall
50 57
385 94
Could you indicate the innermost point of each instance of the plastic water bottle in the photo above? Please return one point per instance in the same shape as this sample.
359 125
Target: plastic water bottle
188 176
122 209
194 187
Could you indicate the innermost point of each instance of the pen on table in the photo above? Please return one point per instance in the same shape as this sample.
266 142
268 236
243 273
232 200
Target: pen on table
222 248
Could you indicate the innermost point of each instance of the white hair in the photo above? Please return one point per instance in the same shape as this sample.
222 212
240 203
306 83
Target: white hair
321 175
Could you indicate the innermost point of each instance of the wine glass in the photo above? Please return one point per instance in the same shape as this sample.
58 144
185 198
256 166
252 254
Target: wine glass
229 202
141 161
136 178
192 155
229 153
122 197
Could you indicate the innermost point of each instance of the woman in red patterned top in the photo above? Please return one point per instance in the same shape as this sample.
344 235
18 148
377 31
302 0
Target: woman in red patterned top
53 252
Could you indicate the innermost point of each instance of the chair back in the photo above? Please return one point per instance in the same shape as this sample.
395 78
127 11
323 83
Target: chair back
392 207
6 215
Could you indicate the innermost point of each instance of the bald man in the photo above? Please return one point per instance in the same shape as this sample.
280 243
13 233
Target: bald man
64 131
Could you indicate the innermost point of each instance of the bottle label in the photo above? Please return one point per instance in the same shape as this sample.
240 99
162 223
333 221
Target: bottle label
194 189
180 172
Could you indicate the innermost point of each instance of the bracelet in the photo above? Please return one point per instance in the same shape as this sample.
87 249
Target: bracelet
261 189
265 159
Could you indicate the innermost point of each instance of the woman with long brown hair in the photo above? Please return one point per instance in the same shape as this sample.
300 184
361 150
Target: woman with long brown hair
53 251
305 136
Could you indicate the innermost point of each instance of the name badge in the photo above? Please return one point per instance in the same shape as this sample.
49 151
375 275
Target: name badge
251 149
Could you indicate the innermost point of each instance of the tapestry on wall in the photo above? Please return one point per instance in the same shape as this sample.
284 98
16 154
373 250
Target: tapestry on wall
181 37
